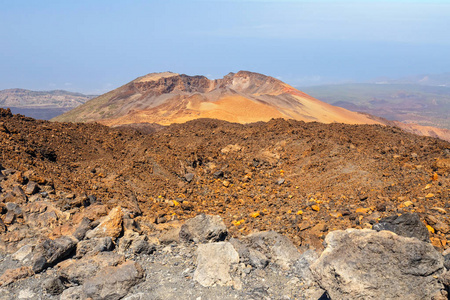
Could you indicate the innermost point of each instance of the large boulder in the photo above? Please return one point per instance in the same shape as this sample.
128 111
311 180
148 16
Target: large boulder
408 225
204 228
50 252
365 264
77 271
214 262
112 283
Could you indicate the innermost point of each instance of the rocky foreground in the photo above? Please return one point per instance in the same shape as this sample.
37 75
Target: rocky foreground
112 259
214 210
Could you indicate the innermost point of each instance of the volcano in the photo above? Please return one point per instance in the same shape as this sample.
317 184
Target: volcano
243 97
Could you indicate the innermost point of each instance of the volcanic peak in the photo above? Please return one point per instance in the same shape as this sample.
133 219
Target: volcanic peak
242 97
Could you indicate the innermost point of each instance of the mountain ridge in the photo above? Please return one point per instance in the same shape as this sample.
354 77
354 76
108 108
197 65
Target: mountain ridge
18 97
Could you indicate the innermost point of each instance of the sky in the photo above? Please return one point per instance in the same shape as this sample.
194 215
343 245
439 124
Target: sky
93 46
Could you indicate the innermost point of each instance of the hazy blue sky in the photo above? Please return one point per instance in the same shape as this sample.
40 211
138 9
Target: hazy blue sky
93 46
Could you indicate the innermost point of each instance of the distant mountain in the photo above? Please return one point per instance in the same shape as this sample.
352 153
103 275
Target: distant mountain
429 80
41 99
423 105
41 104
244 97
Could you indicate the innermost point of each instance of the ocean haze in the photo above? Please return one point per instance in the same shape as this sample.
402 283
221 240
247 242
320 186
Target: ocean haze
94 46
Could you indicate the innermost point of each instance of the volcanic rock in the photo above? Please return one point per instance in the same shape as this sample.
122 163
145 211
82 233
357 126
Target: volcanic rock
53 286
408 225
110 226
204 228
365 264
94 246
50 252
214 262
113 282
272 245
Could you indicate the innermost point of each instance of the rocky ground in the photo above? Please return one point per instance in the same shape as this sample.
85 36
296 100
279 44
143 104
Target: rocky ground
90 211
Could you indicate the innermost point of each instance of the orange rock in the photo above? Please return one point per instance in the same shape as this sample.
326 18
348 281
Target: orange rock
435 177
430 195
12 275
362 210
255 214
237 223
436 242
315 207
407 203
336 214
110 226
93 212
430 229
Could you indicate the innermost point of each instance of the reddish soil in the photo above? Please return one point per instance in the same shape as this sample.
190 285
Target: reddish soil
300 179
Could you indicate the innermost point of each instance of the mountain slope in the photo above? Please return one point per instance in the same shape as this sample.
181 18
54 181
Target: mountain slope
244 97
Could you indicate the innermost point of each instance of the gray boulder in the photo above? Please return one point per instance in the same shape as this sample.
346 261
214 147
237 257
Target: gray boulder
249 256
269 246
50 252
32 188
77 271
133 243
204 228
408 225
214 262
94 246
53 286
365 264
73 293
112 283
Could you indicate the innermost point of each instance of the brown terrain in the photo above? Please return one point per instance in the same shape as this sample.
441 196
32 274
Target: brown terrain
301 179
93 212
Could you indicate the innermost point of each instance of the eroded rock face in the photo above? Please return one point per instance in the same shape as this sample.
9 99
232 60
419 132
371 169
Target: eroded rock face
365 264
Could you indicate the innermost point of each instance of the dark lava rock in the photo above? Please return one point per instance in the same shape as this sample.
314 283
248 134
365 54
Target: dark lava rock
50 252
83 227
447 261
218 174
408 225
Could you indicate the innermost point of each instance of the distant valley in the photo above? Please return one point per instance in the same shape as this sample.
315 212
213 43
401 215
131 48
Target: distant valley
410 103
43 105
